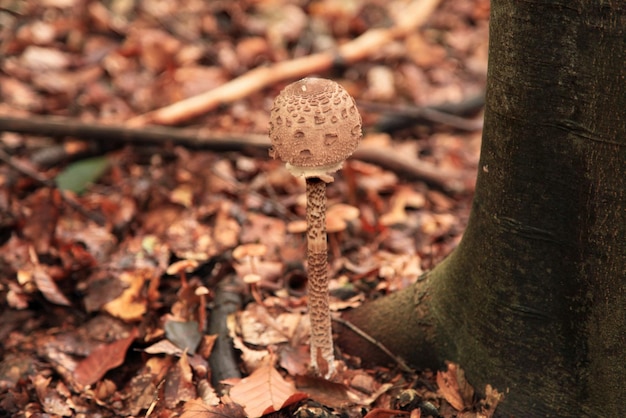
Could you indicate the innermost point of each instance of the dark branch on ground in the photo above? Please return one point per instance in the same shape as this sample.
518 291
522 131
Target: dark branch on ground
394 117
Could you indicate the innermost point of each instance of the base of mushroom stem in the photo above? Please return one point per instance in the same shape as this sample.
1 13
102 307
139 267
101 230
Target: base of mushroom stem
322 365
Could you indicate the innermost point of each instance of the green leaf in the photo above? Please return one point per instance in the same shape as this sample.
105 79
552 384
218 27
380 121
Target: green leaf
77 176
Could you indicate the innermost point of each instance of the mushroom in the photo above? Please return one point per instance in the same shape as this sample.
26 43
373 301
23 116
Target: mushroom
314 127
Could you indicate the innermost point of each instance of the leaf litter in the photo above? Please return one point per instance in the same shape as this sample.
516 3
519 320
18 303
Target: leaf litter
121 317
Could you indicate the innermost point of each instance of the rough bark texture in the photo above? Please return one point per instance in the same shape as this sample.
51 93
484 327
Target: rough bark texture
533 301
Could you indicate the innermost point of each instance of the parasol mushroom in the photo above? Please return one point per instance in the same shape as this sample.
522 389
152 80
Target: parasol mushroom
314 127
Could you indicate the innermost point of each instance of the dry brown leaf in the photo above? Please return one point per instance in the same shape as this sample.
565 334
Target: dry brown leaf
51 399
164 347
179 383
48 287
190 239
264 230
44 59
491 401
20 95
40 227
294 359
374 396
454 388
227 229
403 197
182 195
38 274
198 409
103 390
130 305
142 390
363 382
258 327
335 395
252 358
262 392
416 413
102 359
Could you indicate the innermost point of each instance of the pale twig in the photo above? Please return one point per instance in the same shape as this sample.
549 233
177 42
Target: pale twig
364 46
404 165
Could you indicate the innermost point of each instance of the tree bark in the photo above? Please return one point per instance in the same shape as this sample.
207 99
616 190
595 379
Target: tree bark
533 300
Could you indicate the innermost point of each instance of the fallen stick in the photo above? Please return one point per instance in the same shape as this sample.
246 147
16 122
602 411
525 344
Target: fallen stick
52 126
254 80
403 165
412 168
394 117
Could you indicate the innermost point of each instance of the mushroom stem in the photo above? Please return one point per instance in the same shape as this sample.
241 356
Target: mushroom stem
314 126
322 356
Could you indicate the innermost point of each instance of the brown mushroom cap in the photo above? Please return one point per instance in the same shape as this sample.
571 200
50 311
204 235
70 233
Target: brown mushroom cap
314 127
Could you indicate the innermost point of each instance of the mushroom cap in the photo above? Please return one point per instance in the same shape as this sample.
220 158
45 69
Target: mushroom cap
314 127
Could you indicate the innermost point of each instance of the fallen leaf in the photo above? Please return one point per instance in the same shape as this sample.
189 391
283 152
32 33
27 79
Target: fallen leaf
102 359
48 287
179 384
44 59
198 409
491 401
253 358
258 327
164 347
184 334
142 389
454 387
130 305
335 395
40 228
262 392
51 399
294 359
77 176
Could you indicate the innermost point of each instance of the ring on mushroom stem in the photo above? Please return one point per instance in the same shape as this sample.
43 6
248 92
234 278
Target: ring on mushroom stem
314 127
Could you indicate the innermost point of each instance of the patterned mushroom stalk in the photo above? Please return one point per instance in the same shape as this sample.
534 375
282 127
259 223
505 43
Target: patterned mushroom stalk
314 127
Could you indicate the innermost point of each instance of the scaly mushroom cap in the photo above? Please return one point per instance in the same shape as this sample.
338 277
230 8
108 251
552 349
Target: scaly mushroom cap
314 127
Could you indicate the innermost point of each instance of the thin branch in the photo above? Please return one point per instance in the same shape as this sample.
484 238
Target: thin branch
410 168
413 169
362 47
401 363
396 117
199 138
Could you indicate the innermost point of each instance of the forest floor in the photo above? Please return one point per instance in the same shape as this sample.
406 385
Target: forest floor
152 255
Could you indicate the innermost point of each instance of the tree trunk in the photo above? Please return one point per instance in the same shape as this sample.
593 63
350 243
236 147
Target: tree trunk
533 300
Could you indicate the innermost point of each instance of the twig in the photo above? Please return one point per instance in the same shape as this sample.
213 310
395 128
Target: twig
396 117
411 168
365 45
199 138
401 363
67 198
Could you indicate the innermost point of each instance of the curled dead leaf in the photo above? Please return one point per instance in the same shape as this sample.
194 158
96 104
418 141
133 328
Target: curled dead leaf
454 388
